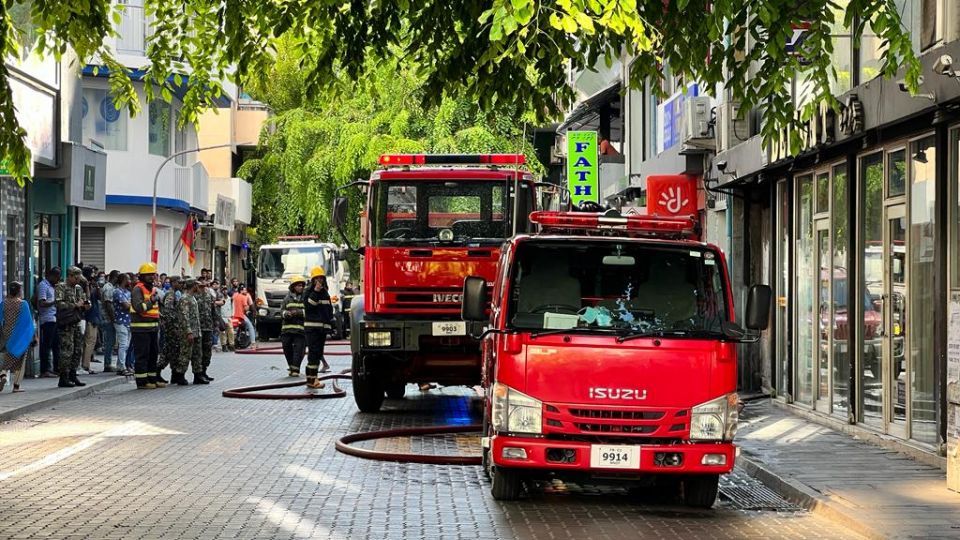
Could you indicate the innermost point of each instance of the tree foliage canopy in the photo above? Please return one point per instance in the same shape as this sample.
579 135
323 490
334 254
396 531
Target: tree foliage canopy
314 146
492 52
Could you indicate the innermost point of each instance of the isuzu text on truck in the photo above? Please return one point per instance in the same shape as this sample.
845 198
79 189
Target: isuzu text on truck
430 220
611 355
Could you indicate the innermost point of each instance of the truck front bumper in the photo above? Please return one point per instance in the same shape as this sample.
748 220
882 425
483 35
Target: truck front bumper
408 335
555 456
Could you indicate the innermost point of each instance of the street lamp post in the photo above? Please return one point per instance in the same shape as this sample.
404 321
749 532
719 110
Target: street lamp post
154 256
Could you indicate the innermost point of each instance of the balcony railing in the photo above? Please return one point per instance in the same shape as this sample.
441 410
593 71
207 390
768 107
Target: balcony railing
134 30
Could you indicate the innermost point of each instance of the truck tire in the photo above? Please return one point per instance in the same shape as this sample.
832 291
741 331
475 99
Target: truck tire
700 491
505 484
396 390
367 390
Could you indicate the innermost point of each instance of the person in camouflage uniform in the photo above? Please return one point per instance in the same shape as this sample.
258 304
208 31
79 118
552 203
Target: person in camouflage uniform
173 324
191 313
208 325
71 303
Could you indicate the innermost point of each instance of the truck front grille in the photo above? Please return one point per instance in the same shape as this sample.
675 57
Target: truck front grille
613 421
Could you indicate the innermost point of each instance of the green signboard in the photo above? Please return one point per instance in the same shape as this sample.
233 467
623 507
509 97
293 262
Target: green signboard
583 166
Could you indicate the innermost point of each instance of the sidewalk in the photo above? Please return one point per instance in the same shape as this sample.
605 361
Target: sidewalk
43 393
874 491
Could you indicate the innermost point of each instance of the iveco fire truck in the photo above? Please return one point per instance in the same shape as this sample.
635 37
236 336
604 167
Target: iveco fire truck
430 221
610 355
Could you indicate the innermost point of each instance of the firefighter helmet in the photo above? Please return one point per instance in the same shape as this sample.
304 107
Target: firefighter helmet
297 279
147 269
317 271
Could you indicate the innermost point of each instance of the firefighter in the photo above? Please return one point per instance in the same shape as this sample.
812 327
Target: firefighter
145 327
207 327
318 319
174 326
291 333
191 312
70 304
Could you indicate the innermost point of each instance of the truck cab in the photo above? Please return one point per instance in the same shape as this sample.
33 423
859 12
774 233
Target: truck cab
429 221
610 355
296 255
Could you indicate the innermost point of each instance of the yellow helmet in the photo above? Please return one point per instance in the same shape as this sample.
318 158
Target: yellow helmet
317 271
147 268
297 279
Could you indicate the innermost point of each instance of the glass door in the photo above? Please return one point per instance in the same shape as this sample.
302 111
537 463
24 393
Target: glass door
823 326
782 317
894 325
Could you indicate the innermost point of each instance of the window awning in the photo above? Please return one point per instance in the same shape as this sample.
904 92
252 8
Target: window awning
590 107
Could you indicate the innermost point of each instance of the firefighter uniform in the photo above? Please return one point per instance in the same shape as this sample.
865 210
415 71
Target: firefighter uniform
145 327
318 319
67 296
291 333
207 327
191 312
173 323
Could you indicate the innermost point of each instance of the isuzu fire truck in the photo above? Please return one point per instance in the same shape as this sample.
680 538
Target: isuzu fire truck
430 220
610 355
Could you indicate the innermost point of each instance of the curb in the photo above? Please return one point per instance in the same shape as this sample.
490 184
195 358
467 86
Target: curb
814 501
70 396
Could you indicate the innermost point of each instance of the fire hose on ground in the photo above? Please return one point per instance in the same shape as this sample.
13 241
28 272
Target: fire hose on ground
344 444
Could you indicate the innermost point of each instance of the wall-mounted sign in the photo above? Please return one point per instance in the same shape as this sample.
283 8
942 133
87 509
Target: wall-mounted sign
671 195
36 112
670 118
582 166
226 213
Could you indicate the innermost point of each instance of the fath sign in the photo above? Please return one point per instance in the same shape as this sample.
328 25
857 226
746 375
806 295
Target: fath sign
583 166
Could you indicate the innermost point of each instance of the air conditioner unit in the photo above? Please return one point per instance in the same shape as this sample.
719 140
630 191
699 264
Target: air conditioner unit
696 118
731 128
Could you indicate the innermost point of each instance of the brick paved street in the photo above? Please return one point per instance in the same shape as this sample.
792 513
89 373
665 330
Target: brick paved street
183 462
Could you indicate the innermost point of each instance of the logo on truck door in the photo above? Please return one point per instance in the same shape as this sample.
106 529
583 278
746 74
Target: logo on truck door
447 298
618 393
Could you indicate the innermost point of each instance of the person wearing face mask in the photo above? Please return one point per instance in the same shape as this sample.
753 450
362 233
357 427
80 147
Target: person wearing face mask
145 327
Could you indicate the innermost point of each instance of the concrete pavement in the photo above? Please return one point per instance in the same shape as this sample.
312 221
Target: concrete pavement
877 492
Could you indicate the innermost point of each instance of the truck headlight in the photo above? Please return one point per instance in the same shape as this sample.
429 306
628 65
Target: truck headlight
715 420
263 312
515 412
379 338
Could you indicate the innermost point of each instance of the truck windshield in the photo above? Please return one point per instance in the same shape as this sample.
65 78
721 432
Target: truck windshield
276 263
614 286
436 211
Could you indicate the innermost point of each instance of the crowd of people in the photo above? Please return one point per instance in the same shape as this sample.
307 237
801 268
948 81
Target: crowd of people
142 322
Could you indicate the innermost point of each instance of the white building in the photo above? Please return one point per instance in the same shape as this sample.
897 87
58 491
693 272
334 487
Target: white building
119 237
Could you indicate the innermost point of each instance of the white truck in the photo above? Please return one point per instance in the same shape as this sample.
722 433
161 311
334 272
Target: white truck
293 255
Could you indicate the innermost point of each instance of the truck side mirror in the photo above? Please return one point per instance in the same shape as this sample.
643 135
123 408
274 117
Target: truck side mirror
474 306
340 207
758 307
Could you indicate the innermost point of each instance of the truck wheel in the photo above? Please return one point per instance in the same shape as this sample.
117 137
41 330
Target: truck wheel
700 491
396 390
367 390
505 484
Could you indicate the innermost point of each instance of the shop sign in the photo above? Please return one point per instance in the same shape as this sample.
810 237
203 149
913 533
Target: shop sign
225 216
36 112
671 195
670 118
582 166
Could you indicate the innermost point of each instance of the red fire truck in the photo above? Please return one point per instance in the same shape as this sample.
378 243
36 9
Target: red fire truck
610 355
430 221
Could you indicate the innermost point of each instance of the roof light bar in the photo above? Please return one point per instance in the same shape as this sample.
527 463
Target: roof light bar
296 238
647 225
400 160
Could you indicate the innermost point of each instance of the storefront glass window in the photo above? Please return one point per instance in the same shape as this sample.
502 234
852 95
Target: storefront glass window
823 192
842 314
805 316
922 273
102 121
897 173
159 132
783 288
871 188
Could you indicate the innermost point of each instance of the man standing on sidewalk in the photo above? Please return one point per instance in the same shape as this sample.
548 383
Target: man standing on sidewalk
207 327
173 323
70 308
144 325
108 318
192 314
93 319
49 338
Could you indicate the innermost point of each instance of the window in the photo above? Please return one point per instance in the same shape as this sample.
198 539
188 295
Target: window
871 47
896 173
841 79
159 131
920 292
180 141
102 120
